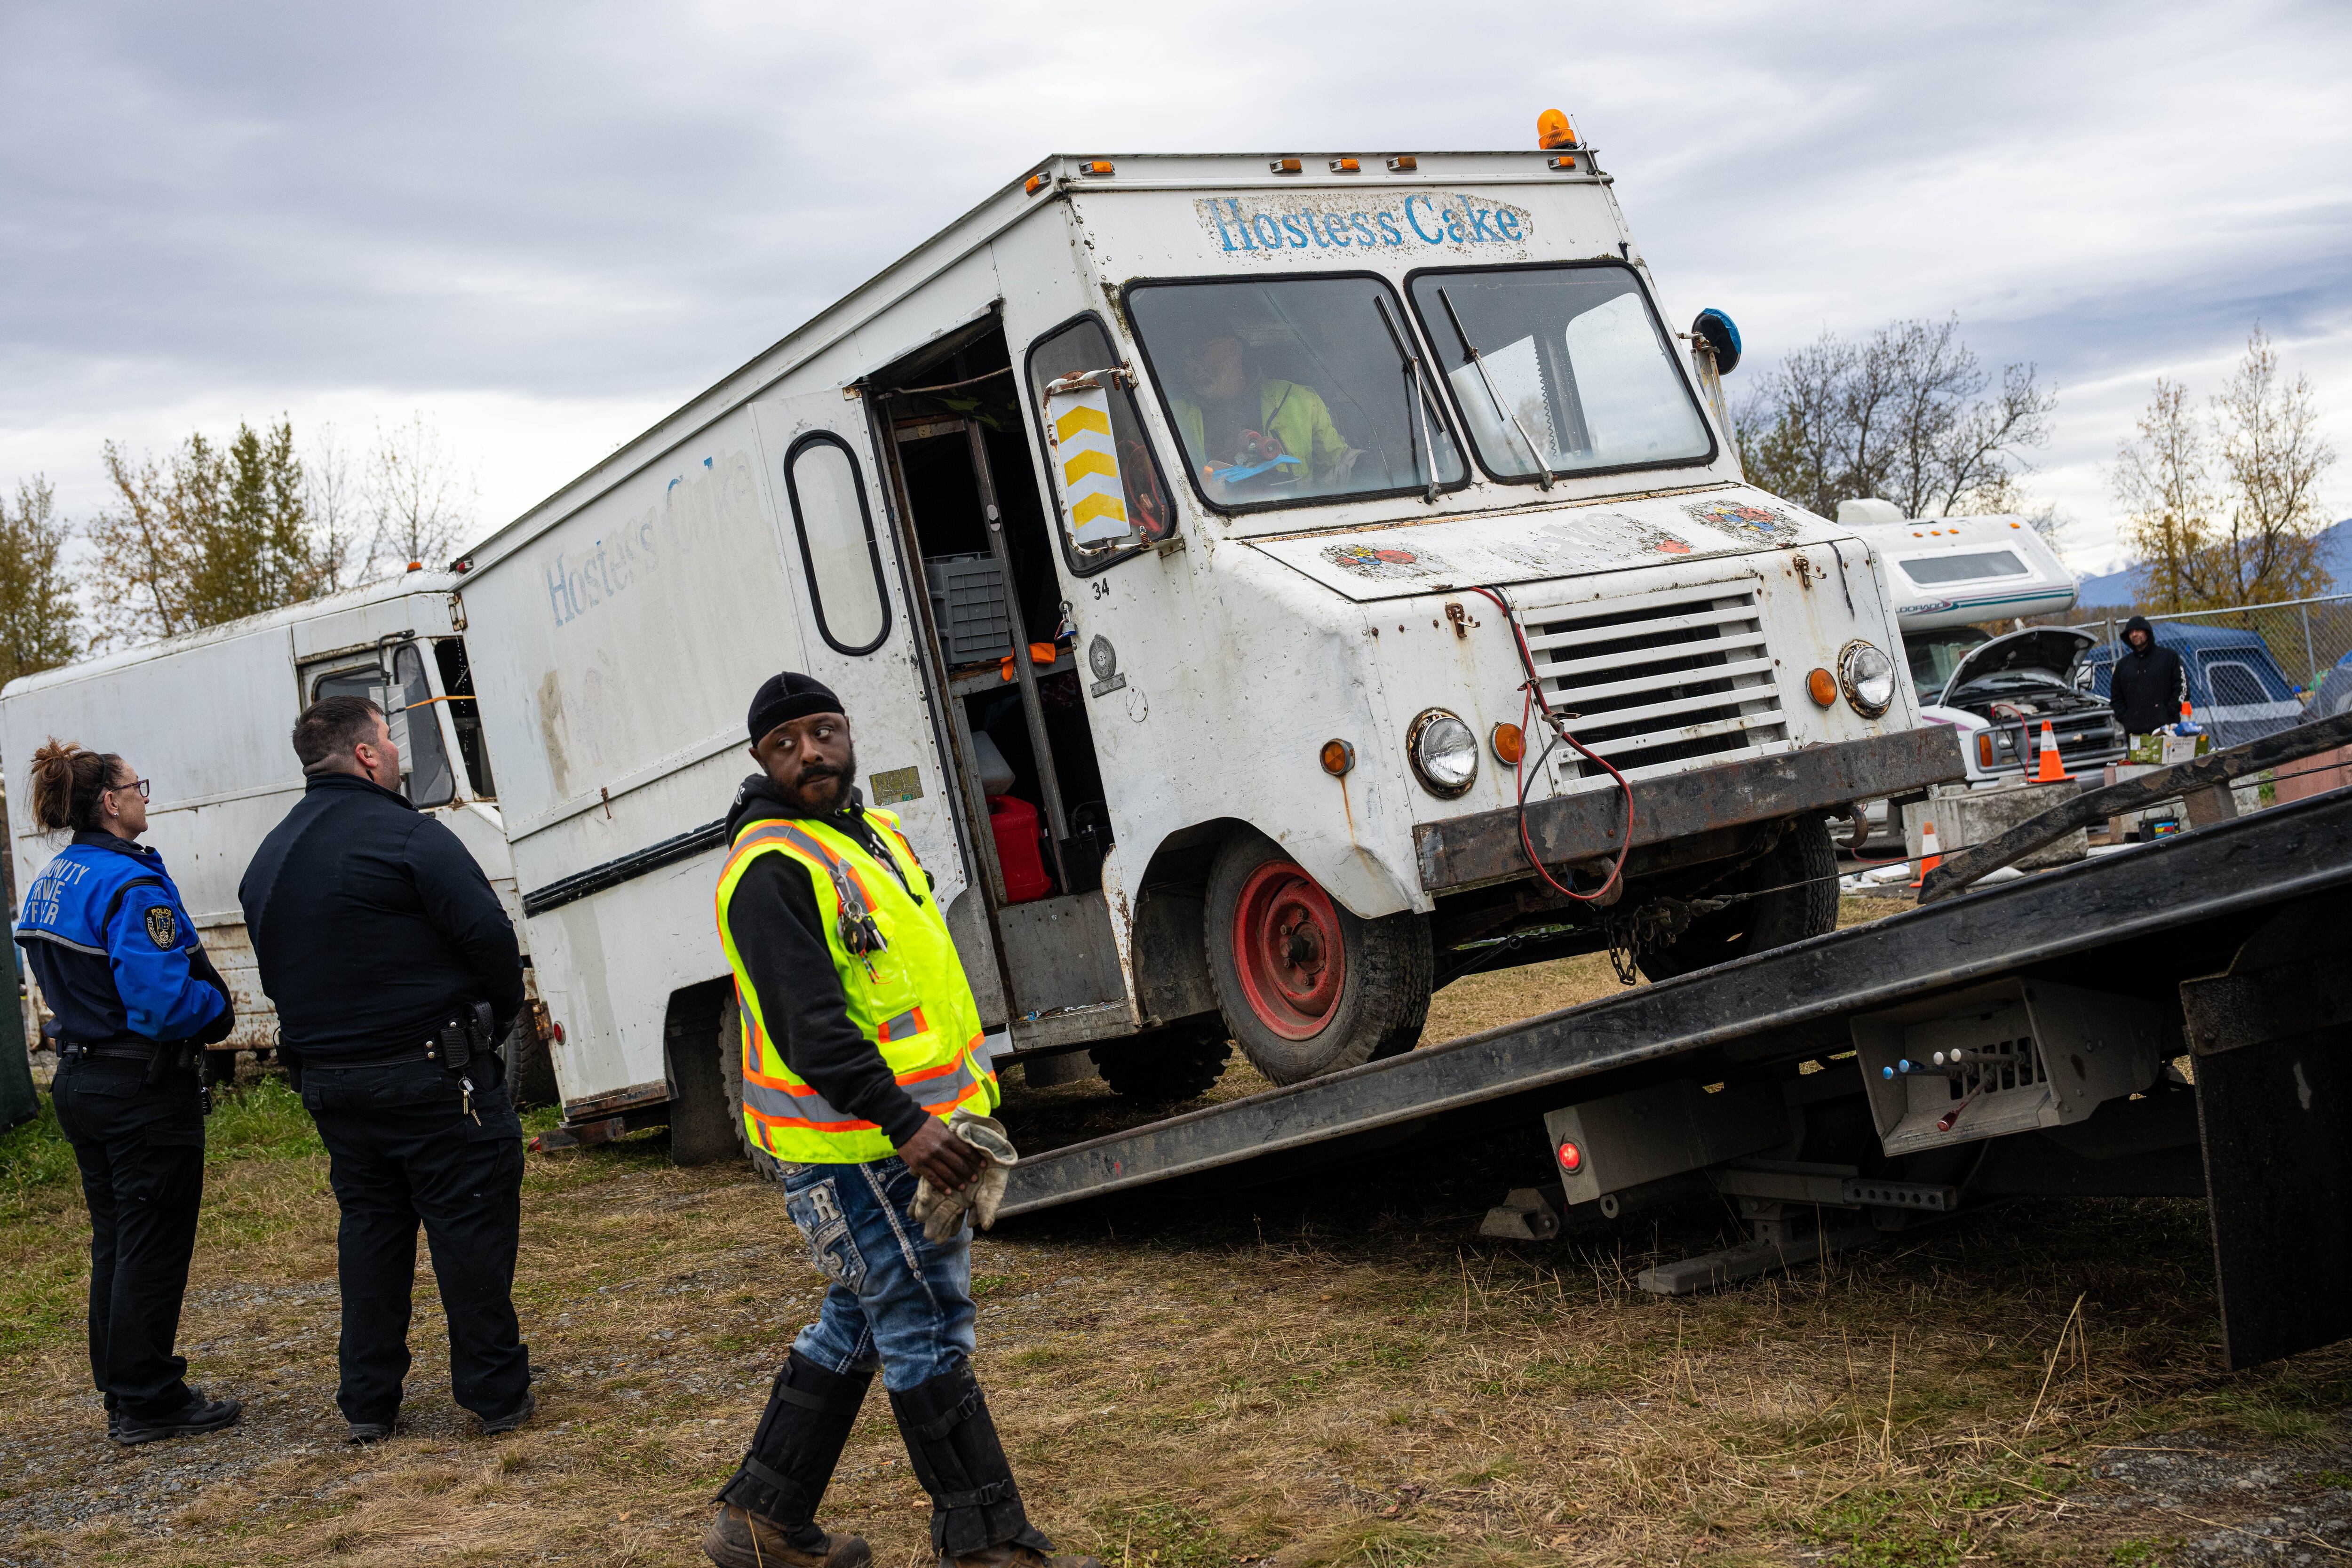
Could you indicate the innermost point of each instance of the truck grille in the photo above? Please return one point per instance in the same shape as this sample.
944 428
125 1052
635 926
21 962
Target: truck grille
1661 679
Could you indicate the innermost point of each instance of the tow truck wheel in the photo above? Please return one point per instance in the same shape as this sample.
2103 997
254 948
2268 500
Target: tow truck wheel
1162 1067
730 1069
1307 987
1802 866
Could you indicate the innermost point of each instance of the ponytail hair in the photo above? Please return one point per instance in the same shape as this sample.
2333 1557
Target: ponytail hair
67 779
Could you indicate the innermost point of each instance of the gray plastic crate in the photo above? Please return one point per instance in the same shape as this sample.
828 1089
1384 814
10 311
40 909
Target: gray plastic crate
968 604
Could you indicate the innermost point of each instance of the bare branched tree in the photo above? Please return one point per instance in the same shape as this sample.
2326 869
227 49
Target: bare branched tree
422 500
338 524
2225 509
1900 414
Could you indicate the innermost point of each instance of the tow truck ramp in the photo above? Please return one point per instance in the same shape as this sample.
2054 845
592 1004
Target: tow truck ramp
2013 1040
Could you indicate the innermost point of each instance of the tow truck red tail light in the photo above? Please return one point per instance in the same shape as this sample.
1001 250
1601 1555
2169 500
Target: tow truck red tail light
1572 1158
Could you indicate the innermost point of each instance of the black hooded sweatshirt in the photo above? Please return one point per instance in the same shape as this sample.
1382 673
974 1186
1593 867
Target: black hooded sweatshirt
2148 685
781 935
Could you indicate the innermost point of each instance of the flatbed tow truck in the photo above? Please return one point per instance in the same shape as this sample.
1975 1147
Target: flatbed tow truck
2018 1039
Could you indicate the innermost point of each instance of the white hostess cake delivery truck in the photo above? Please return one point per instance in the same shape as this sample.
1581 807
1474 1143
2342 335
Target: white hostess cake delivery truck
1263 587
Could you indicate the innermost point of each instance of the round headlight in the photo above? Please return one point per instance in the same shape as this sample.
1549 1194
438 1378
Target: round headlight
1445 754
1868 677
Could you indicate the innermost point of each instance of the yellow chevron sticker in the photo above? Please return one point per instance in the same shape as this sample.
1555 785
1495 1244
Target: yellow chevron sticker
1097 505
1090 462
1081 418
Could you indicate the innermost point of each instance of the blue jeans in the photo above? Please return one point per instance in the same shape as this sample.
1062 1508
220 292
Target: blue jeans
896 1296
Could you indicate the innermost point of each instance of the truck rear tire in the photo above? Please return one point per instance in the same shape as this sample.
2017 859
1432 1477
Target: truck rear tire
730 1069
1162 1067
1804 858
1305 986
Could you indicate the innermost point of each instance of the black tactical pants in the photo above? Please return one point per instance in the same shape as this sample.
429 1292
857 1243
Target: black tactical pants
141 1147
403 1149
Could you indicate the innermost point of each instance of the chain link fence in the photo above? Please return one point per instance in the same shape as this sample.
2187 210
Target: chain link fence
2305 637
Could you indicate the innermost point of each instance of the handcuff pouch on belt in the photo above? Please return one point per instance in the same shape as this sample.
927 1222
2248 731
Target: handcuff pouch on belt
460 1039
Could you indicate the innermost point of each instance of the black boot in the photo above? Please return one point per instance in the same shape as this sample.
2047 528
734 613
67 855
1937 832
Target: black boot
952 1445
782 1478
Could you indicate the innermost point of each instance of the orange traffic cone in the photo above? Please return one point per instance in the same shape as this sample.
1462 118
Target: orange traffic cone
1929 856
2053 767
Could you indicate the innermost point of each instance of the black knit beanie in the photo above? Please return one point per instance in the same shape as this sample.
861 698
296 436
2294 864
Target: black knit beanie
784 698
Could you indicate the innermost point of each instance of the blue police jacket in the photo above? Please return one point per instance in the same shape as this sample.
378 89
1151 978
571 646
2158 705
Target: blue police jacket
113 947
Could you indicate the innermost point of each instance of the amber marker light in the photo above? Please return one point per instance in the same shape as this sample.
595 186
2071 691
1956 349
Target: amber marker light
1984 747
1553 132
1032 184
1822 686
1509 743
1345 166
1285 165
1403 163
1338 758
1098 166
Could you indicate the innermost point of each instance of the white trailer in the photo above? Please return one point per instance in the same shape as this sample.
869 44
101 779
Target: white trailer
1212 427
207 717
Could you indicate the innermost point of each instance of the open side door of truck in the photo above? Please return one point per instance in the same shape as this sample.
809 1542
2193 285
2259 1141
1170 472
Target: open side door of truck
837 536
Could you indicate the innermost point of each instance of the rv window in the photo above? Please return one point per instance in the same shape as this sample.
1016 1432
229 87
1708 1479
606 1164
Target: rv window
837 547
1931 569
1082 345
1575 365
1292 392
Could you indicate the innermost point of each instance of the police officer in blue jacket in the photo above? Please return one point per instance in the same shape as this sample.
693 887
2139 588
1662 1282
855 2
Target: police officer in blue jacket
136 1001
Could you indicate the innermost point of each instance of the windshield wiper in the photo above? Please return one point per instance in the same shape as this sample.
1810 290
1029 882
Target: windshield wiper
1470 356
1411 364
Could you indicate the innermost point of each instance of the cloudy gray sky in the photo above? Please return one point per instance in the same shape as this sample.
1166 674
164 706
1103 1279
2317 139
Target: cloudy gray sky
541 226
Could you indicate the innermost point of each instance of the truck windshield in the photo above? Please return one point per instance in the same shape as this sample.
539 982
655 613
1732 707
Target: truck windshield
1577 373
1292 392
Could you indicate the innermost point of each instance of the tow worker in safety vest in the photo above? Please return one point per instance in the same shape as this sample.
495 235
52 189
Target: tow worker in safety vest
865 1078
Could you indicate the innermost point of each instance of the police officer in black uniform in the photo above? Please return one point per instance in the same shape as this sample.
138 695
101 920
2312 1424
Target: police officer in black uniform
135 1001
395 970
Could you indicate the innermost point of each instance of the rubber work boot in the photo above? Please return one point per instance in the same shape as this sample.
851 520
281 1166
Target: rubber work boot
769 1503
976 1513
194 1419
737 1536
1009 1555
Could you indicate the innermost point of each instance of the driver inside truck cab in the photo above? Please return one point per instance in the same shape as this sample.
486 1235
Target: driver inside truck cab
1252 432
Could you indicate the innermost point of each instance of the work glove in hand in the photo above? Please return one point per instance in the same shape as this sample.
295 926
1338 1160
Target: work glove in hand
941 1213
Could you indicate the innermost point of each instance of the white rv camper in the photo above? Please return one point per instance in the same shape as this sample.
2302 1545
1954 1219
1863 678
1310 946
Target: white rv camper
207 715
1315 482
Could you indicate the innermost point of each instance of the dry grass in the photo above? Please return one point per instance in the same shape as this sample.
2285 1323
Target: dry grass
1335 1373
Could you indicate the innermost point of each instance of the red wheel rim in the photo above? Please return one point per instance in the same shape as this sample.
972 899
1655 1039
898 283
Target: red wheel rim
1289 950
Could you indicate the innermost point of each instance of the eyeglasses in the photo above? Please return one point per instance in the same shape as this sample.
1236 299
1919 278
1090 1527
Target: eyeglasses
145 786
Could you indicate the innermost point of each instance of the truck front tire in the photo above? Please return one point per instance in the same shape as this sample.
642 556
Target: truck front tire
1803 868
1165 1066
1305 986
730 1070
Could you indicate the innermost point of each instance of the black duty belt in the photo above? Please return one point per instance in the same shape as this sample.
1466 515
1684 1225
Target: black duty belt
109 1050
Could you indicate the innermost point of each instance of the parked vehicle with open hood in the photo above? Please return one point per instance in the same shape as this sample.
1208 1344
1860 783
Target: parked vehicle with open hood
1332 557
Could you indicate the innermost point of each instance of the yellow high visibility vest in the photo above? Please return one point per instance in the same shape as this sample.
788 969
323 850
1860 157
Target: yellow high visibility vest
906 994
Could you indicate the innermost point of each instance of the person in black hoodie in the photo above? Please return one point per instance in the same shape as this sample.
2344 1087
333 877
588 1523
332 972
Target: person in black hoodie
2149 688
390 959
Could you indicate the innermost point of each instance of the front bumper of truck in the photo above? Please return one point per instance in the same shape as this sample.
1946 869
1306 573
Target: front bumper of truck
1468 851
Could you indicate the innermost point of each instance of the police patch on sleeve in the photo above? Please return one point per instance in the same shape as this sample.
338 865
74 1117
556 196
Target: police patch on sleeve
163 926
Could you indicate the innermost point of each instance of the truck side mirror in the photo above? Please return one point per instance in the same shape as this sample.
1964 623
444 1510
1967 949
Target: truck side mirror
1085 461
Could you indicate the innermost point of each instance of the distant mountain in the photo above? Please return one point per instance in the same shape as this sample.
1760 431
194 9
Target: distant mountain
2118 589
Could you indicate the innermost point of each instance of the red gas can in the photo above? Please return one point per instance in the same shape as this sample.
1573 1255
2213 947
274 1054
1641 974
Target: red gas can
1014 823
